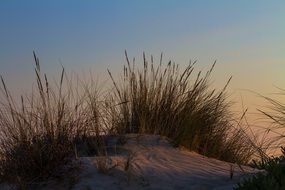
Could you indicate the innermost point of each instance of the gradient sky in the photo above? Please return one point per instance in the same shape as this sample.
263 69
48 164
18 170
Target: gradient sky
246 37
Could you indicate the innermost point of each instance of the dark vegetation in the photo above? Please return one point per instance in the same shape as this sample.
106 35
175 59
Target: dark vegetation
273 176
38 138
41 137
162 100
274 167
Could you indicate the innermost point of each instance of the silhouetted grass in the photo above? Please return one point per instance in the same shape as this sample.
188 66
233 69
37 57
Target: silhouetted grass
274 177
164 100
42 137
38 138
276 114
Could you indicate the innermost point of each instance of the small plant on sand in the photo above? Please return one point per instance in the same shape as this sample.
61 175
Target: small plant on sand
105 164
272 178
128 164
231 171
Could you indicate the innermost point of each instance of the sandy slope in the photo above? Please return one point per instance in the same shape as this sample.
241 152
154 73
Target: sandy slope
155 164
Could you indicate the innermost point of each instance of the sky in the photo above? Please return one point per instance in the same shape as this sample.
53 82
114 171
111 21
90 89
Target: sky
247 38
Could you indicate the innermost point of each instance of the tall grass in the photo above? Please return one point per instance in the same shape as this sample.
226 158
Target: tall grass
164 100
276 114
41 137
38 138
274 177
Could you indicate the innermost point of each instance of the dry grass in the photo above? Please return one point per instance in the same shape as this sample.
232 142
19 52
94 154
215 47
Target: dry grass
41 137
37 138
275 133
105 164
166 101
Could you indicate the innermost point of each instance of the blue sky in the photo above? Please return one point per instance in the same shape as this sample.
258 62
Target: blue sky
246 37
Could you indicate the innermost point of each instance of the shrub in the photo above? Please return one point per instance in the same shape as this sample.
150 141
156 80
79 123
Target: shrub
272 178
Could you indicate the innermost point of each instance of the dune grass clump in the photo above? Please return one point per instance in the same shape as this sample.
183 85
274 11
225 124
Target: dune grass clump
170 102
38 138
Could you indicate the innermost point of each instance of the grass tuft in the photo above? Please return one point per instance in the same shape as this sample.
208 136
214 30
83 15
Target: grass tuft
166 101
38 136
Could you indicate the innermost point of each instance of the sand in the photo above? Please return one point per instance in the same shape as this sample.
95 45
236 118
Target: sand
156 165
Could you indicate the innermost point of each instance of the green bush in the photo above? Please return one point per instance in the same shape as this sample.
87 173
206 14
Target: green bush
273 177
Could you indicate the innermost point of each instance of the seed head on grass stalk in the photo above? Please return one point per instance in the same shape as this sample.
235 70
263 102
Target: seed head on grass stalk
167 101
36 138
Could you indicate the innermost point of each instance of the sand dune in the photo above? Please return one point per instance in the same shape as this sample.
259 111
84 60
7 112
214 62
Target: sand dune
156 165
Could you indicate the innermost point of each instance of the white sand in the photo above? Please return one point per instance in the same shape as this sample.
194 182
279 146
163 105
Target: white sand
157 165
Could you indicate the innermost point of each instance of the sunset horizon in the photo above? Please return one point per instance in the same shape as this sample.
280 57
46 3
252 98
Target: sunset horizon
145 94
